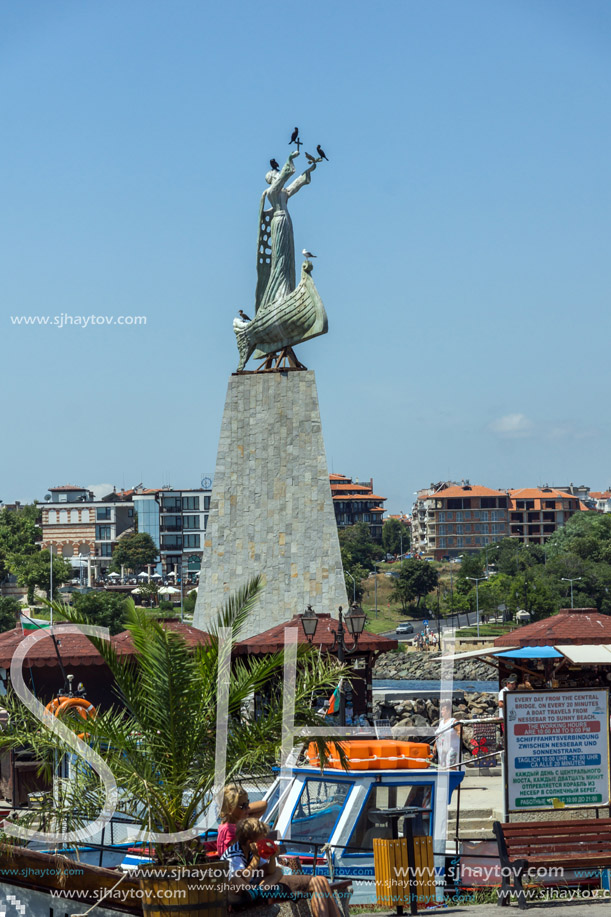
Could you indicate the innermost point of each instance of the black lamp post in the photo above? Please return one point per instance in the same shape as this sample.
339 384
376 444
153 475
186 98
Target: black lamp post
355 624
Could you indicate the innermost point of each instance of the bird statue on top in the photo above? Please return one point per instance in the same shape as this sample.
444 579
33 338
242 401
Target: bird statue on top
286 312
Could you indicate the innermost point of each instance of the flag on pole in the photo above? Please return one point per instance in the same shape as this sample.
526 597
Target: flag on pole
334 701
29 624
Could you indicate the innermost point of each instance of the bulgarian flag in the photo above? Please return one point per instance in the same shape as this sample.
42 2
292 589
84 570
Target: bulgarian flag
29 624
334 701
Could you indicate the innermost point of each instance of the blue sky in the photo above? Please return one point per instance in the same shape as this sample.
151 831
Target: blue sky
462 227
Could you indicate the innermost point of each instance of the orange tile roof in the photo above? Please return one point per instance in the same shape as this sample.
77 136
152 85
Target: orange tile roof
600 494
350 486
548 493
338 477
467 490
349 497
67 487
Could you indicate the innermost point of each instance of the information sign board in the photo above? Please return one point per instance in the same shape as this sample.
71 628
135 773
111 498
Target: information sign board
557 745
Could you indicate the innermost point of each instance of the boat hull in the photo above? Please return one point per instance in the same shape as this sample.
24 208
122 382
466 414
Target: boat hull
297 317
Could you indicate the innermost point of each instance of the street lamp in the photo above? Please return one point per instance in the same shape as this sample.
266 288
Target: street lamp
309 622
353 585
568 579
477 580
355 623
375 584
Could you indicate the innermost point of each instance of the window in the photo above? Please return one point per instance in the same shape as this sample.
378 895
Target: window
63 516
190 503
52 517
459 517
381 797
442 517
191 522
442 542
450 517
102 533
317 812
102 513
105 550
74 516
84 515
484 517
170 505
171 541
206 504
191 541
467 515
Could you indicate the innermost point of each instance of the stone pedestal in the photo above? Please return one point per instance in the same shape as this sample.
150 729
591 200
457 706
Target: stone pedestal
271 510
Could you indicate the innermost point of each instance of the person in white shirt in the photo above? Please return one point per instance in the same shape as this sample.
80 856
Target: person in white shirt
447 734
510 685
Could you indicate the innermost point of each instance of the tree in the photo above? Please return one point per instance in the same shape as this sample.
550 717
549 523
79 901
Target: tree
135 552
160 746
106 609
19 534
416 579
358 547
395 534
32 570
354 587
9 612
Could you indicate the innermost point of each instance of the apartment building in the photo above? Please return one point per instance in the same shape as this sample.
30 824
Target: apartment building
536 512
82 529
451 519
355 502
176 520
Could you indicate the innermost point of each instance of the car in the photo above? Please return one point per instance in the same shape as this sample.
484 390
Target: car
404 628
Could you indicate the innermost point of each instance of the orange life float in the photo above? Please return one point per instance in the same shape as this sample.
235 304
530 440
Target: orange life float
79 705
383 754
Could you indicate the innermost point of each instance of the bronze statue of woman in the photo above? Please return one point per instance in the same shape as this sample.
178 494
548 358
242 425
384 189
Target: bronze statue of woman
276 246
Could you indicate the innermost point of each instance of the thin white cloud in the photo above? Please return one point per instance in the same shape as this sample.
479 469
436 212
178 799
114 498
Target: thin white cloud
512 425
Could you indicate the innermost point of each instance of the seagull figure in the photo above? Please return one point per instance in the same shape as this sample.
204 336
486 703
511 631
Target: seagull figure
243 316
307 254
274 165
321 152
294 136
310 158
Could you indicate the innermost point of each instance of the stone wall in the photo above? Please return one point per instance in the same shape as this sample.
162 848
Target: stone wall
422 665
271 510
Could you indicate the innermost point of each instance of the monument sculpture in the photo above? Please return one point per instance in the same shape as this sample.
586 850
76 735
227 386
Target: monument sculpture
285 314
271 509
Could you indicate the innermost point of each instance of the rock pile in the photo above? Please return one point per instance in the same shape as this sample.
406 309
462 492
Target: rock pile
421 711
423 665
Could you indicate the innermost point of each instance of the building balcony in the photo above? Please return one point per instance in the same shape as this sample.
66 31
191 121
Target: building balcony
170 528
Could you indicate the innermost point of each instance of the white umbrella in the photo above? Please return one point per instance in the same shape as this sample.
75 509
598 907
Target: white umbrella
136 591
142 574
169 590
172 573
114 576
156 576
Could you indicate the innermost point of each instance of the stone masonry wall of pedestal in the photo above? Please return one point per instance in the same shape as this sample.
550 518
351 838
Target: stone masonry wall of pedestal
271 510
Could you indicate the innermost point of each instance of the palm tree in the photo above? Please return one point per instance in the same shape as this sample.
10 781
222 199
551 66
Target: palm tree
159 739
